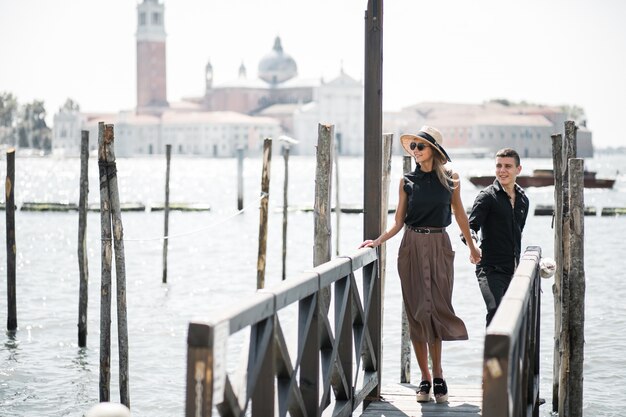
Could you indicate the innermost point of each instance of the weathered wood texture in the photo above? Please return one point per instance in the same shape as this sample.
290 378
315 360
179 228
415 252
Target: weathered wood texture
83 270
557 224
577 287
10 238
337 209
384 212
285 207
239 178
112 228
372 181
323 186
405 342
106 261
263 217
322 229
569 152
511 354
400 401
337 347
166 209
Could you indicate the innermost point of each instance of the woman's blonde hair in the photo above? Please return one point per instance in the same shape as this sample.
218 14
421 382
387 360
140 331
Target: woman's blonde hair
444 175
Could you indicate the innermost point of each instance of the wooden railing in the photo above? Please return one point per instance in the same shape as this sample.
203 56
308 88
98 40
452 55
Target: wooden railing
511 356
335 360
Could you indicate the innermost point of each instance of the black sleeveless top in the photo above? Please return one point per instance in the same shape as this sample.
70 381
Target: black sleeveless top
429 200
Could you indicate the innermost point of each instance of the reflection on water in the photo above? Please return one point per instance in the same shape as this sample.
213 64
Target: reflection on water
44 372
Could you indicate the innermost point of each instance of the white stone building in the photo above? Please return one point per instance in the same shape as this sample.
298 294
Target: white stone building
236 113
489 127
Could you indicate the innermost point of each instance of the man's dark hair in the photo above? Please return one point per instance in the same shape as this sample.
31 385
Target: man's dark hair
509 153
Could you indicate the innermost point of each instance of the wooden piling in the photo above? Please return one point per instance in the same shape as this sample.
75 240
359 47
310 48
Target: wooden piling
372 166
384 212
285 207
11 246
322 231
265 195
240 178
83 270
106 160
557 161
337 199
106 255
405 342
569 152
577 286
166 209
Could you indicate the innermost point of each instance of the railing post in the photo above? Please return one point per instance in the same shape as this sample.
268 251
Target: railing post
308 310
262 341
200 371
343 325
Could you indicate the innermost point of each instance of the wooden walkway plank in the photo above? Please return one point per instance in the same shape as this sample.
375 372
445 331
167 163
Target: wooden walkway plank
398 400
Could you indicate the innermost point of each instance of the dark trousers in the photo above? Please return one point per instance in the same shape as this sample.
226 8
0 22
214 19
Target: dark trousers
493 282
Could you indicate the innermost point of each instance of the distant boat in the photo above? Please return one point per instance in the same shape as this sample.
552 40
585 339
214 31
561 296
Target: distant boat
545 178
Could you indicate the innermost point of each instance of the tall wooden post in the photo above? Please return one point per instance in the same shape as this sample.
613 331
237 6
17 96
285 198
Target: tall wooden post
372 223
405 341
112 228
11 248
322 230
384 209
83 270
265 196
285 207
569 152
557 162
337 196
240 178
106 254
166 209
577 286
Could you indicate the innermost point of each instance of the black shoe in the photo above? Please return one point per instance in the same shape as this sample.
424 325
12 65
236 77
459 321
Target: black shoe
440 389
423 395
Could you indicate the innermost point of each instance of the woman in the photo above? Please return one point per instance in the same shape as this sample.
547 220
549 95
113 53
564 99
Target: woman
427 198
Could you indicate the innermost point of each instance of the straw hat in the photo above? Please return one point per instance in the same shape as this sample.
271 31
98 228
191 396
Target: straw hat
428 135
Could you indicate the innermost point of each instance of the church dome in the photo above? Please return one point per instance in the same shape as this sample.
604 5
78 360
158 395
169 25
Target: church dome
277 66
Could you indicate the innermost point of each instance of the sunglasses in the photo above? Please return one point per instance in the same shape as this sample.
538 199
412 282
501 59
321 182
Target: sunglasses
420 146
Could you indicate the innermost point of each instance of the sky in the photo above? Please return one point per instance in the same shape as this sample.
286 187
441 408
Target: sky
552 52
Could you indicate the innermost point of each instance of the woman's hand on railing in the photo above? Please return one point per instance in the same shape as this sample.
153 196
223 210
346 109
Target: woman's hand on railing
369 243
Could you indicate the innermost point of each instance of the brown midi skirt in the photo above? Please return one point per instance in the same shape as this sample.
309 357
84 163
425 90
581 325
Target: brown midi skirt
426 269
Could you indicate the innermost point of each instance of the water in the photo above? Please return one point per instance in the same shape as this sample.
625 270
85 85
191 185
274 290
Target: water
212 263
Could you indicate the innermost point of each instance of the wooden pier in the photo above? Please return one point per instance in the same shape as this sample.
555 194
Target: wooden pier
340 340
399 401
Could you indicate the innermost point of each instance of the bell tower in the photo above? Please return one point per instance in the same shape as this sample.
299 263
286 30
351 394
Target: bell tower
151 75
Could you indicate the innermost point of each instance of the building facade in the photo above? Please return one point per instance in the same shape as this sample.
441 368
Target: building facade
483 129
228 115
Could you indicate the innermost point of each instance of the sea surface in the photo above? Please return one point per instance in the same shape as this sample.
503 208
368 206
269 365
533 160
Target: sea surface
212 264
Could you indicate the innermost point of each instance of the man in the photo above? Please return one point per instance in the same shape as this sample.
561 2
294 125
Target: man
499 213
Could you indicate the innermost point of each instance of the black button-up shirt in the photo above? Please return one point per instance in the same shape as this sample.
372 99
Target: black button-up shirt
429 200
500 224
